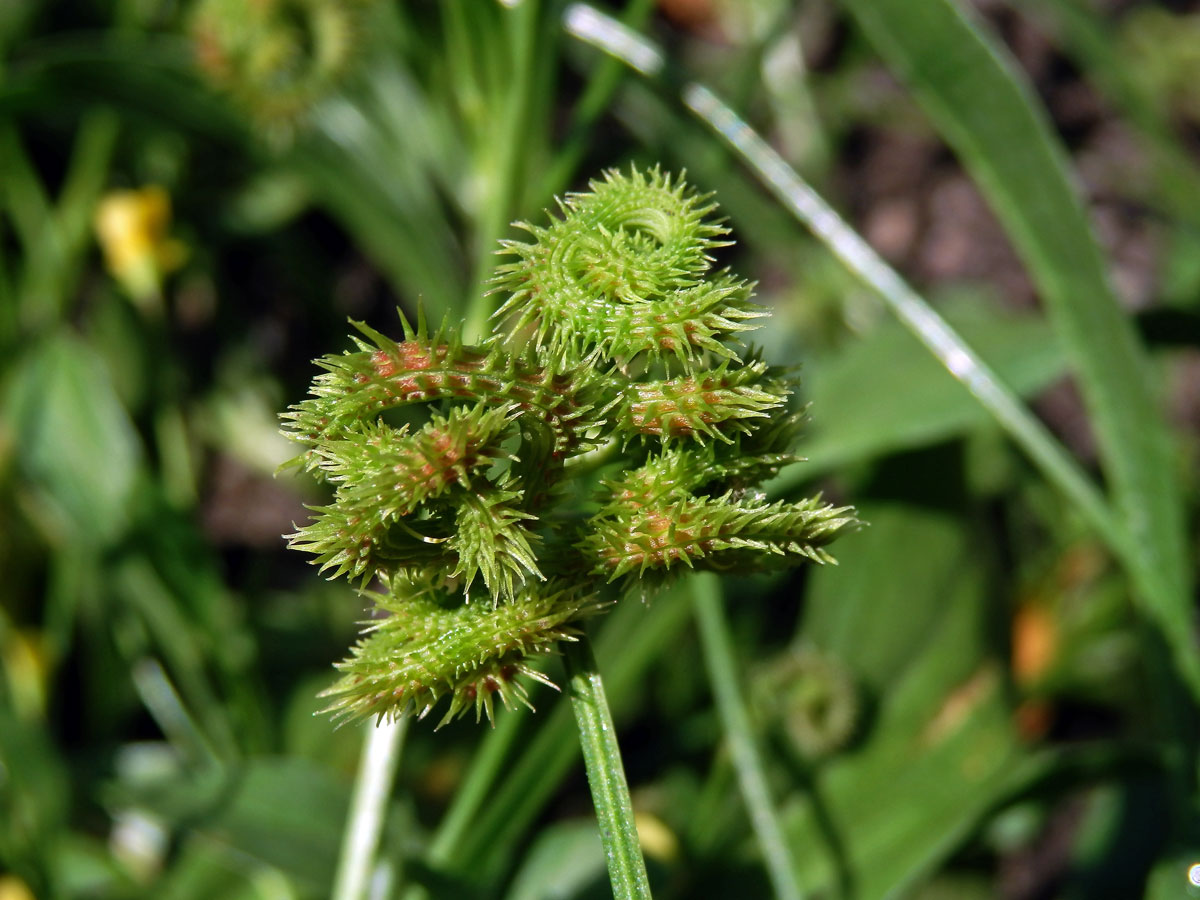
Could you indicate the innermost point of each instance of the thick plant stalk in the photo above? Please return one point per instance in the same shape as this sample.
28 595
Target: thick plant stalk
360 840
606 774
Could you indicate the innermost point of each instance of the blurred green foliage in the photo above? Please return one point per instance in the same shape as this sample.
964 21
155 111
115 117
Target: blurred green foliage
1017 730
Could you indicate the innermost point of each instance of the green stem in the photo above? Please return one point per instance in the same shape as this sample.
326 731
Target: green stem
606 774
372 788
735 721
634 639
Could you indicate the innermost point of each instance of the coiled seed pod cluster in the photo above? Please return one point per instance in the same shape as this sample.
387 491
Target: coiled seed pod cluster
610 433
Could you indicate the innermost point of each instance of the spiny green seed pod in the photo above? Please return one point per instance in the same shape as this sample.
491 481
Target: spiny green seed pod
813 697
623 271
712 404
385 474
484 515
491 540
716 533
385 374
391 472
433 645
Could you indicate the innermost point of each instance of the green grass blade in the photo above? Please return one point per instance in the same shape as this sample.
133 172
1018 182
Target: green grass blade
860 417
24 199
988 114
140 586
739 733
86 178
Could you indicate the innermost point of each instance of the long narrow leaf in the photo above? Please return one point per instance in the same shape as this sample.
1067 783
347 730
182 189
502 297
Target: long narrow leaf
986 111
708 603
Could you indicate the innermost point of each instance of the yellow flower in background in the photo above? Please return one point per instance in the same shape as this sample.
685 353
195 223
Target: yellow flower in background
13 888
656 837
26 668
131 227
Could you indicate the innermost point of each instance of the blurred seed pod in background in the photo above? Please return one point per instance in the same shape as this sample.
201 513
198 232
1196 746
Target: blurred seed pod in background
812 697
277 58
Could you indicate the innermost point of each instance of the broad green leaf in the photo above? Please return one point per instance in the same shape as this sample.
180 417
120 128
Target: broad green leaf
882 603
75 442
886 392
34 794
287 813
564 862
986 111
84 865
203 870
278 812
938 750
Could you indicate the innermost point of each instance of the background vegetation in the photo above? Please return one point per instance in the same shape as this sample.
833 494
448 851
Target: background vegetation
993 695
